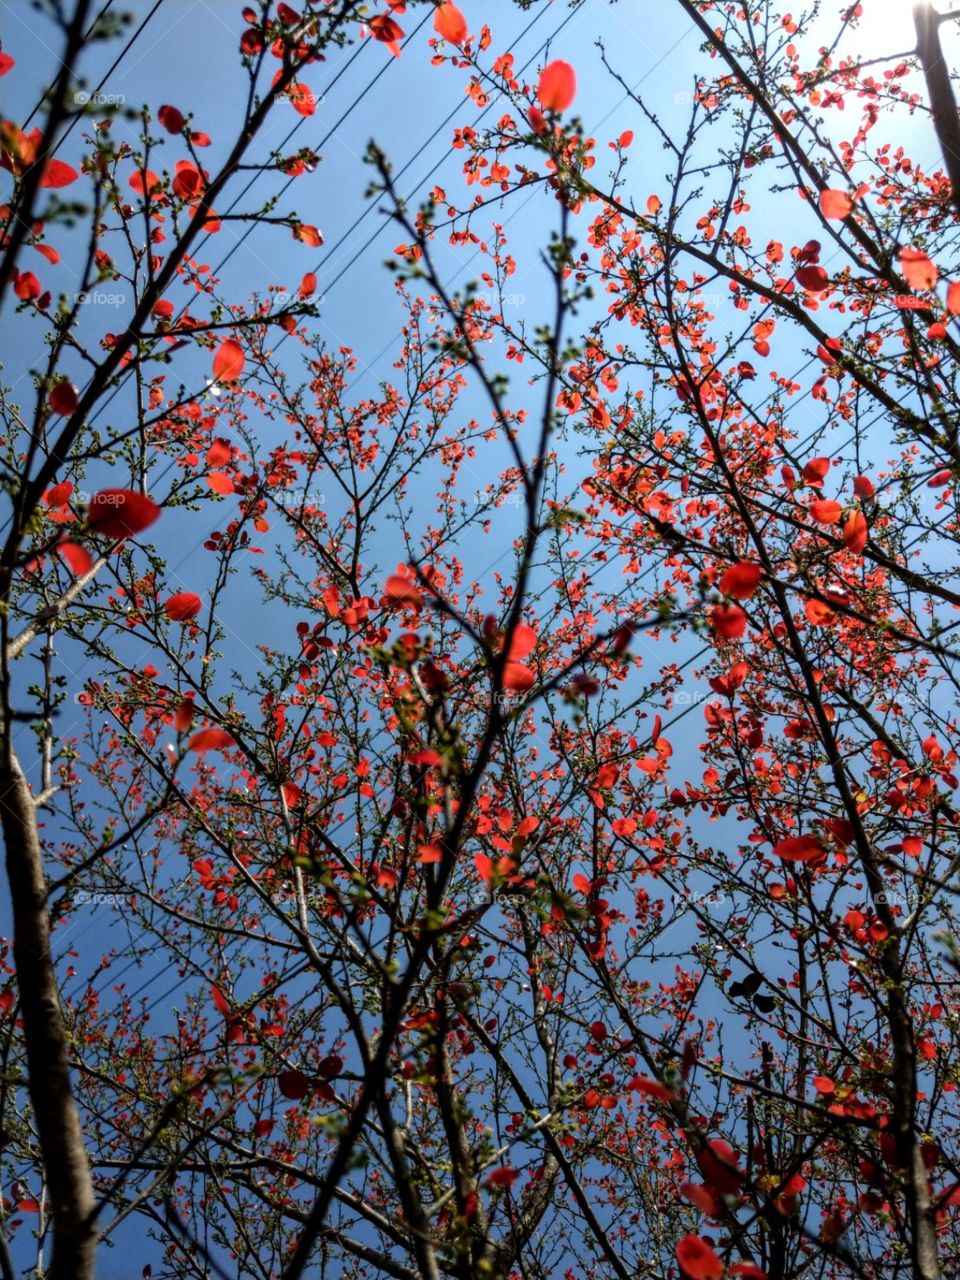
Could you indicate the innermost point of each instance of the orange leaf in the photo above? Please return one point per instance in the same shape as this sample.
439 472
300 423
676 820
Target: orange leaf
835 204
826 511
484 867
449 23
220 482
819 613
309 235
855 531
918 271
558 86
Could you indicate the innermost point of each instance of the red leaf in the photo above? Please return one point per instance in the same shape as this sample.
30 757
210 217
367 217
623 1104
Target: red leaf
302 99
58 495
813 279
652 1088
6 63
58 174
183 716
121 513
220 1000
183 606
219 453
170 118
863 488
518 677
143 182
706 1200
27 286
210 740
502 1177
402 591
918 271
799 848
558 86
814 471
728 621
823 1084
449 23
63 398
228 362
522 642
78 558
741 580
698 1260
384 29
835 204
718 1163
953 298
293 1084
308 285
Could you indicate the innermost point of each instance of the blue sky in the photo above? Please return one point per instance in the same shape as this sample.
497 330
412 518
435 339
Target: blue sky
186 55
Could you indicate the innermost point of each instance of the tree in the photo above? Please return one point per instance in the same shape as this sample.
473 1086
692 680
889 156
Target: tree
485 966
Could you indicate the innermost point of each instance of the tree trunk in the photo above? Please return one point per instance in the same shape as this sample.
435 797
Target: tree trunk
58 1122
